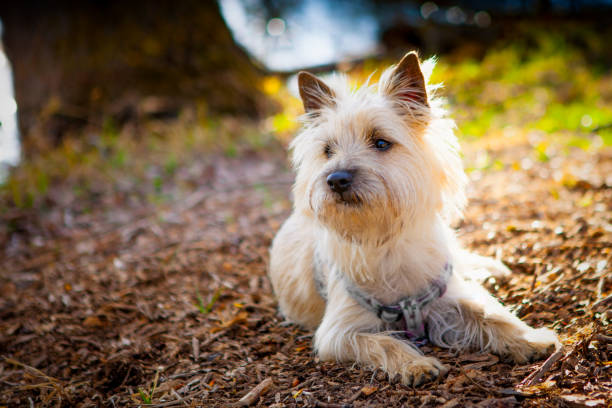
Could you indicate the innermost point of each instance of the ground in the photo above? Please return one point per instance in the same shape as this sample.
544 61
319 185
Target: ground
109 300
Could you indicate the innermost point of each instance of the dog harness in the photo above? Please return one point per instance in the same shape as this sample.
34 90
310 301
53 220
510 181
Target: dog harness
406 314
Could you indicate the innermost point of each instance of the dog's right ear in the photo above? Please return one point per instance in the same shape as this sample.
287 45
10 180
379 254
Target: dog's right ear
407 84
315 93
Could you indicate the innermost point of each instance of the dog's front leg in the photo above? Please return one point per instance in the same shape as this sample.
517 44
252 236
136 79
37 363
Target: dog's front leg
481 322
348 332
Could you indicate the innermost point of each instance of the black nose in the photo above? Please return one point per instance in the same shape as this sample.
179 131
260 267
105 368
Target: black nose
340 181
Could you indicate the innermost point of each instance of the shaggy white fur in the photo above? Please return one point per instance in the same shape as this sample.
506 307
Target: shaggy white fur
389 233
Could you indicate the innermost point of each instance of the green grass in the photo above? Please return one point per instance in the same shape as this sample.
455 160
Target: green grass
207 308
550 88
151 160
147 396
144 396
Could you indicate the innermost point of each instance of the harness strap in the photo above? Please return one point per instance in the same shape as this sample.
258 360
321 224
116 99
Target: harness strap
409 309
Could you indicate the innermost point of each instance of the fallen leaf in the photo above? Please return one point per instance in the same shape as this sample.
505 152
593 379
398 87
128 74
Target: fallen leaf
93 321
239 318
368 390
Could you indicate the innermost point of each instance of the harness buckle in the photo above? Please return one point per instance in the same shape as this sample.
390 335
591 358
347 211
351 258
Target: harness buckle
413 315
389 314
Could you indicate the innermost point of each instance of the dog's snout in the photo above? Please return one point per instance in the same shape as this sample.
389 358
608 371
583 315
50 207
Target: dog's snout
340 181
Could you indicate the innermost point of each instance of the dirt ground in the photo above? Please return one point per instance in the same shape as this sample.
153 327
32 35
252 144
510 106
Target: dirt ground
110 301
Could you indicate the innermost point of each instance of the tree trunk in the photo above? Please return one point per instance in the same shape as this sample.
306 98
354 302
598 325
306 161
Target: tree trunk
77 61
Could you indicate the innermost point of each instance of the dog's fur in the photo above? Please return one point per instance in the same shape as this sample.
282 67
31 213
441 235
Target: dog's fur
389 234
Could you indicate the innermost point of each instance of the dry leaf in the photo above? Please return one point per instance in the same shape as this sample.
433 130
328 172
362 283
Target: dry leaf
368 390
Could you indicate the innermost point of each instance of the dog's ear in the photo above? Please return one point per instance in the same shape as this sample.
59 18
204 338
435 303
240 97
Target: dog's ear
315 93
407 83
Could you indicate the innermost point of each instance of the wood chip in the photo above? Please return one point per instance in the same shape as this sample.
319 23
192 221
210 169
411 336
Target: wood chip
252 396
195 346
455 402
582 401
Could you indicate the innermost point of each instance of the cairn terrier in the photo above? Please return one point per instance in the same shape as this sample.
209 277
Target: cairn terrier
367 258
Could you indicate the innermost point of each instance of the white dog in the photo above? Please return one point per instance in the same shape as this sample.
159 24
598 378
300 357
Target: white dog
368 257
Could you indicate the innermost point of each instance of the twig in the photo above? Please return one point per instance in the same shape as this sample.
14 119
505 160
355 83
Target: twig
534 377
33 370
362 391
322 404
178 397
252 396
480 387
544 289
603 301
188 373
195 345
161 404
305 383
355 396
212 338
317 403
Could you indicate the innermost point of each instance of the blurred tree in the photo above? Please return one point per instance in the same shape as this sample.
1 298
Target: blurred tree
78 61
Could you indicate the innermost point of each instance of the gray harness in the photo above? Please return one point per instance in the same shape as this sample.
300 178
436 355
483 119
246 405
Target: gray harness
406 314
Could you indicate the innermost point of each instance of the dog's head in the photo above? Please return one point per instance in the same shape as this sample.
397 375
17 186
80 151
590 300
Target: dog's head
374 160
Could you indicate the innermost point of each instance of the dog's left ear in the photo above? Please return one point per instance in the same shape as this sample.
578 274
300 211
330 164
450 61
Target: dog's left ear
407 83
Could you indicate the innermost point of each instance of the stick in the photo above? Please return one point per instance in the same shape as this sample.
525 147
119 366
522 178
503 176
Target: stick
603 301
252 396
480 387
305 383
212 338
539 373
320 404
355 396
178 397
162 404
36 371
195 345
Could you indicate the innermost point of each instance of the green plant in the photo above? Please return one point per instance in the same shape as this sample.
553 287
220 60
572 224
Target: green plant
205 309
147 397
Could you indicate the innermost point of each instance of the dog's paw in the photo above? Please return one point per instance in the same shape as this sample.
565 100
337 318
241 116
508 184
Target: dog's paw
480 268
421 370
534 344
497 269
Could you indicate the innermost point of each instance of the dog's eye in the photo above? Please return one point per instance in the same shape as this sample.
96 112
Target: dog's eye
327 151
382 144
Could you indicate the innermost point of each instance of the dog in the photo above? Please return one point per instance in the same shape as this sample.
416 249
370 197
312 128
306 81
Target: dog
368 258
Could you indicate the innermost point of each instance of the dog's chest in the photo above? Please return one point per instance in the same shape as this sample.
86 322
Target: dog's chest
386 274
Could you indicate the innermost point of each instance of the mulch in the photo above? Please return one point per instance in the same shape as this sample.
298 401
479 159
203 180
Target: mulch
124 303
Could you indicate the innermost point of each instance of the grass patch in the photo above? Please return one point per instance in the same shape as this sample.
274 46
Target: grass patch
148 164
147 396
207 308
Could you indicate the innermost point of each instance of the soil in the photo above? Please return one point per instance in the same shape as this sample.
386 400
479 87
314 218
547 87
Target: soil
111 301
